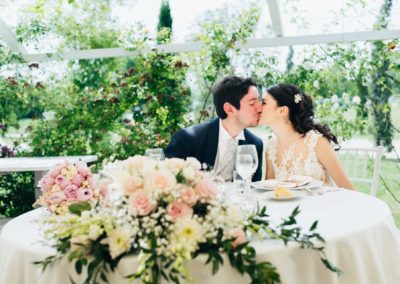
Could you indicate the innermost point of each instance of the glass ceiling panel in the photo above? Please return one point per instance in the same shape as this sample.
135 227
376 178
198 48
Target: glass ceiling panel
299 17
304 17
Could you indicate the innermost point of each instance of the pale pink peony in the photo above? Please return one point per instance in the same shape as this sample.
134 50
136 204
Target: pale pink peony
62 181
239 235
179 209
57 197
82 169
46 183
56 171
84 194
103 186
71 191
77 180
206 190
132 183
140 202
136 162
189 196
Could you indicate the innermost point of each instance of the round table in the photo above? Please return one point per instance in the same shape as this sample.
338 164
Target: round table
361 239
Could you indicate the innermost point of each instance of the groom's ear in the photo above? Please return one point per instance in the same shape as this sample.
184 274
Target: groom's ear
228 108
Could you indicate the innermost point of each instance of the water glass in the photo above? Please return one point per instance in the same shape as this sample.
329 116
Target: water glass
246 161
155 153
238 181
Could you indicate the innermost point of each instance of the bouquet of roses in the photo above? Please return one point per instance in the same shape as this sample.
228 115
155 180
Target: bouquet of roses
67 184
167 213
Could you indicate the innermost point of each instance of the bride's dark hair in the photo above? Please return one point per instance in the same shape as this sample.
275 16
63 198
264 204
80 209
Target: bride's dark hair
301 109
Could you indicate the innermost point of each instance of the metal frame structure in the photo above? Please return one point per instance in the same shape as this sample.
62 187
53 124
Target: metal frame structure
280 40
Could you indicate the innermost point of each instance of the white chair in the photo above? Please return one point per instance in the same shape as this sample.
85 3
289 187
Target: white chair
362 165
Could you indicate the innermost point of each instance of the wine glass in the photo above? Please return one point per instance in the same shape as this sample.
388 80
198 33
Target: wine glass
246 162
155 153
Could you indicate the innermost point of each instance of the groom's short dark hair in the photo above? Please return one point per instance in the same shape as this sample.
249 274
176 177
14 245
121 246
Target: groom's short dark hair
230 89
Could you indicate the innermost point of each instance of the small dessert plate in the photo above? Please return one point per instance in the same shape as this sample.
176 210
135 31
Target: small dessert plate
294 195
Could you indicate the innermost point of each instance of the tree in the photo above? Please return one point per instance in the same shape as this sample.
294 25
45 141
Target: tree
382 83
165 18
164 26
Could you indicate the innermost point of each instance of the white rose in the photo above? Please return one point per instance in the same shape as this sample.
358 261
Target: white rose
119 242
189 173
94 231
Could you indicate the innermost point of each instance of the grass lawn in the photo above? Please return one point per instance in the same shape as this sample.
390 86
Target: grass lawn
390 172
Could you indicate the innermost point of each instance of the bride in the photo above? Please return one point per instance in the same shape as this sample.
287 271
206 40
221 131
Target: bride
301 146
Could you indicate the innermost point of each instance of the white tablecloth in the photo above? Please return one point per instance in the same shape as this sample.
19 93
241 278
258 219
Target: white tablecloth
361 238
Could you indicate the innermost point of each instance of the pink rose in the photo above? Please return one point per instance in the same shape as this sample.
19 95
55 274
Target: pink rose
71 191
103 186
82 168
140 201
206 190
77 180
132 183
46 182
62 181
178 209
57 197
239 237
189 196
56 171
84 194
160 180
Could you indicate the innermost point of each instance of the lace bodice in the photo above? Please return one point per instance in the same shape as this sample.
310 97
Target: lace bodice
300 159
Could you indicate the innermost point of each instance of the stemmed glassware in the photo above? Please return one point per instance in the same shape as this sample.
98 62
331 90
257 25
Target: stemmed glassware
155 153
246 163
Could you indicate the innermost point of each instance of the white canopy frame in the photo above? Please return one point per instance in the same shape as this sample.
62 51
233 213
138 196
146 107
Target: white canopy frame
10 39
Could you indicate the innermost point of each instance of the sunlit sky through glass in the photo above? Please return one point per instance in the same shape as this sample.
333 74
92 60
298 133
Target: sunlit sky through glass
299 17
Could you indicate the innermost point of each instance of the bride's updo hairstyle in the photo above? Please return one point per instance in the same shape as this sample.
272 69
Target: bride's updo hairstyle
301 109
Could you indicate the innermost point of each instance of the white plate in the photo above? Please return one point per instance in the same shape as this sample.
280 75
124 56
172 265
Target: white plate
295 195
270 184
293 182
300 180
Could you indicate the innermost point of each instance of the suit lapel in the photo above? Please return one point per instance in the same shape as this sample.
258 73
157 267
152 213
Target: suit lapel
244 142
212 142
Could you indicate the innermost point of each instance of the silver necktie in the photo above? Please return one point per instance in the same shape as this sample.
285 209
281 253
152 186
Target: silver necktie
227 165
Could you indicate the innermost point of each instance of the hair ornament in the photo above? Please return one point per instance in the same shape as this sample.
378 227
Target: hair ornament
298 98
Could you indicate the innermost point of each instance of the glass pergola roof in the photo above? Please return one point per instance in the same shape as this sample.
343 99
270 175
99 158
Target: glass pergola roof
282 23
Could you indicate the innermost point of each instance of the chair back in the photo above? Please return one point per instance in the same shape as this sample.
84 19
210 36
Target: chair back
362 165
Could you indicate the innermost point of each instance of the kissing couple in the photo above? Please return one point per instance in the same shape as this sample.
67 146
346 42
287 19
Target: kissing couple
300 146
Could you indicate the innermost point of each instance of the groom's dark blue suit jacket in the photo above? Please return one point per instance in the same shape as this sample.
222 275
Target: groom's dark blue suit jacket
201 141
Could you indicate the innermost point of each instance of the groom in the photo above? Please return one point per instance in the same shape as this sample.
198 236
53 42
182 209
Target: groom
237 104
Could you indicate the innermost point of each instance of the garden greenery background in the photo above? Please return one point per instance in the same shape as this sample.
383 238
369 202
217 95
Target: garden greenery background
117 107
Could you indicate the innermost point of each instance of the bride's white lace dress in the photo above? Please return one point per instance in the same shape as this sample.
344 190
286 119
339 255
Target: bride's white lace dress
300 159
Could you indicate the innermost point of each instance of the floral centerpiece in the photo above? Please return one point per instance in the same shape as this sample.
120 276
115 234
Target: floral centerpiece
67 184
167 213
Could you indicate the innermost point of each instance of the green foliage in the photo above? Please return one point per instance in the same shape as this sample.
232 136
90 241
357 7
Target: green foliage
19 99
17 193
159 99
214 60
165 18
7 56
